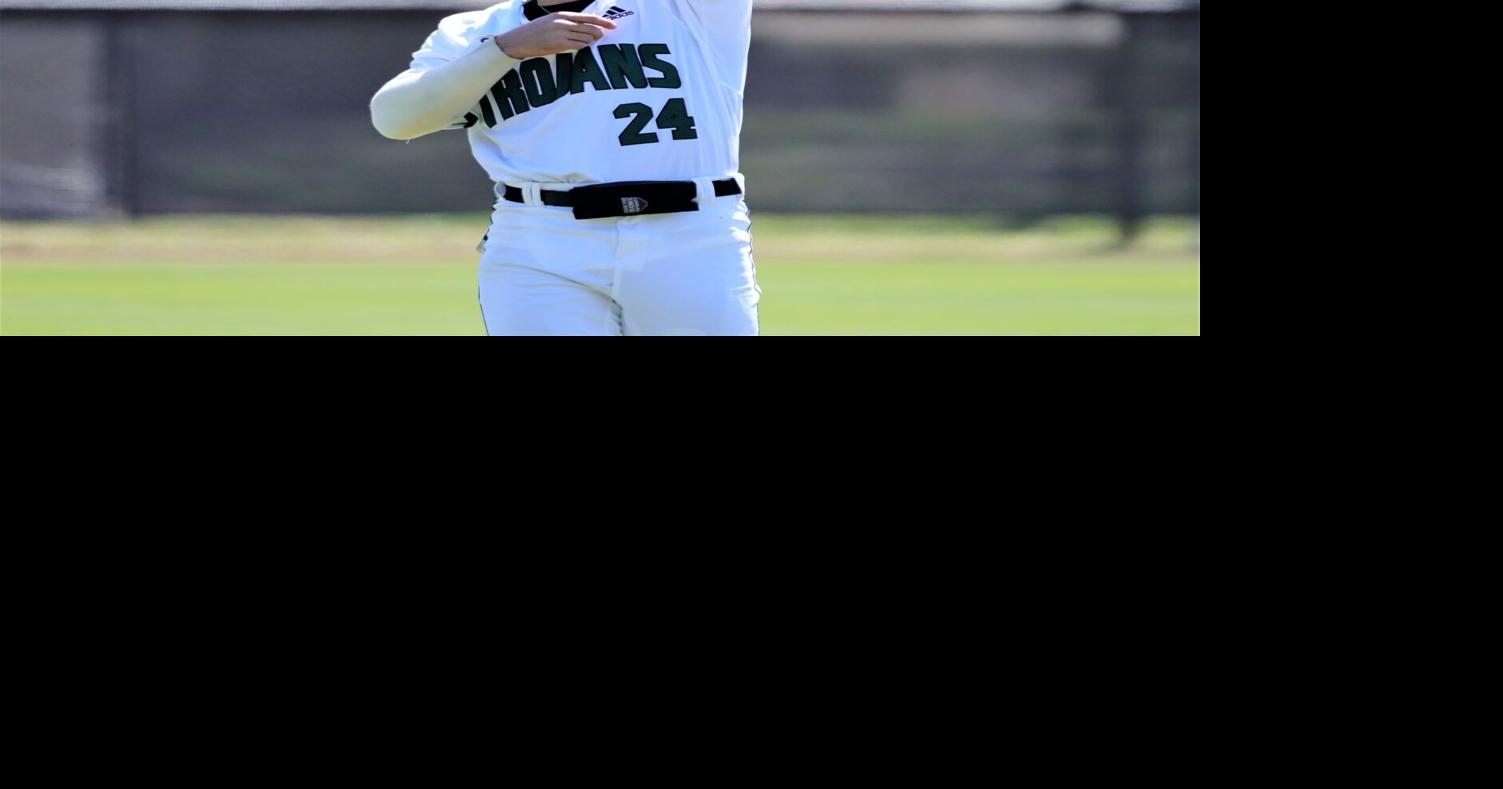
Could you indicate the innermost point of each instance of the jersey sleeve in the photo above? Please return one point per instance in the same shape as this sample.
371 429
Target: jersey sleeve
726 14
453 39
725 27
446 44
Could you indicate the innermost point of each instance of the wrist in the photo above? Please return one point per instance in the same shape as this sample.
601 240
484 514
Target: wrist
501 42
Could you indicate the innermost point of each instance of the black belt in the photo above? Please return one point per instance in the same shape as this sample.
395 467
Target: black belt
634 198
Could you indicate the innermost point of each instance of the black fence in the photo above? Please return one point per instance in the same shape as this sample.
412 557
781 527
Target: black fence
105 113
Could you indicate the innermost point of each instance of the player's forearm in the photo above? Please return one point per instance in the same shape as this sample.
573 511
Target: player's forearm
418 103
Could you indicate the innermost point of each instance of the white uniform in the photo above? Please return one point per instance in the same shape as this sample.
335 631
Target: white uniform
657 99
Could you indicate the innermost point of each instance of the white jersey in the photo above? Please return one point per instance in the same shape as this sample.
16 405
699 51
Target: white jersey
657 99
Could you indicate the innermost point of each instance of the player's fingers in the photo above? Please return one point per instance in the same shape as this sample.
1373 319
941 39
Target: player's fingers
587 19
594 33
581 39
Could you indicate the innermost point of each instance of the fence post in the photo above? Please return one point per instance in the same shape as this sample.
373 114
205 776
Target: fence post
1195 130
119 144
1131 118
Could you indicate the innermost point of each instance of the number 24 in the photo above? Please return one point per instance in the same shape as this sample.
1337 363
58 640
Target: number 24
675 116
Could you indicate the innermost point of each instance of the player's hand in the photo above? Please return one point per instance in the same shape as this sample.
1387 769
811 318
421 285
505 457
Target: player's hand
555 33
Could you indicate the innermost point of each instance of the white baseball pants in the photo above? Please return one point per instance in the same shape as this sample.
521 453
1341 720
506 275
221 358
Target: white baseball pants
546 273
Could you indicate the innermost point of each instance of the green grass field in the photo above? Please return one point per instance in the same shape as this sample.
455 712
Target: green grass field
416 275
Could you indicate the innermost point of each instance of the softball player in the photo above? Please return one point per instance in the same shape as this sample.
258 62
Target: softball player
612 132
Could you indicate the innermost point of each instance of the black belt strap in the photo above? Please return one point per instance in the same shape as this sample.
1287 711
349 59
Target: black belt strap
557 199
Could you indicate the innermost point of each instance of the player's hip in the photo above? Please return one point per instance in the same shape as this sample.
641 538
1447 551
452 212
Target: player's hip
544 233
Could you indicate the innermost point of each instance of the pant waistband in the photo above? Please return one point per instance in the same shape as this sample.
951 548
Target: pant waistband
562 198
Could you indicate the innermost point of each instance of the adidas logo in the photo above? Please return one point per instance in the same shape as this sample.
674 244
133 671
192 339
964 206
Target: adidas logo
617 12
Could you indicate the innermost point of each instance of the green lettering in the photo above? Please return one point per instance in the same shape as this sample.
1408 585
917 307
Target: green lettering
586 70
622 65
650 59
565 73
537 79
511 99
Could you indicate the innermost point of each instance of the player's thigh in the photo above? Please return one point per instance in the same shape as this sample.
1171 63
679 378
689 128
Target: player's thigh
693 309
520 301
705 285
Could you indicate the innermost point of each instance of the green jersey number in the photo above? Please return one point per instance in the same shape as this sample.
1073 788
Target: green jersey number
675 116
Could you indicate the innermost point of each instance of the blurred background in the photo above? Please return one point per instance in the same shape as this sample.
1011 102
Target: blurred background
1060 135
